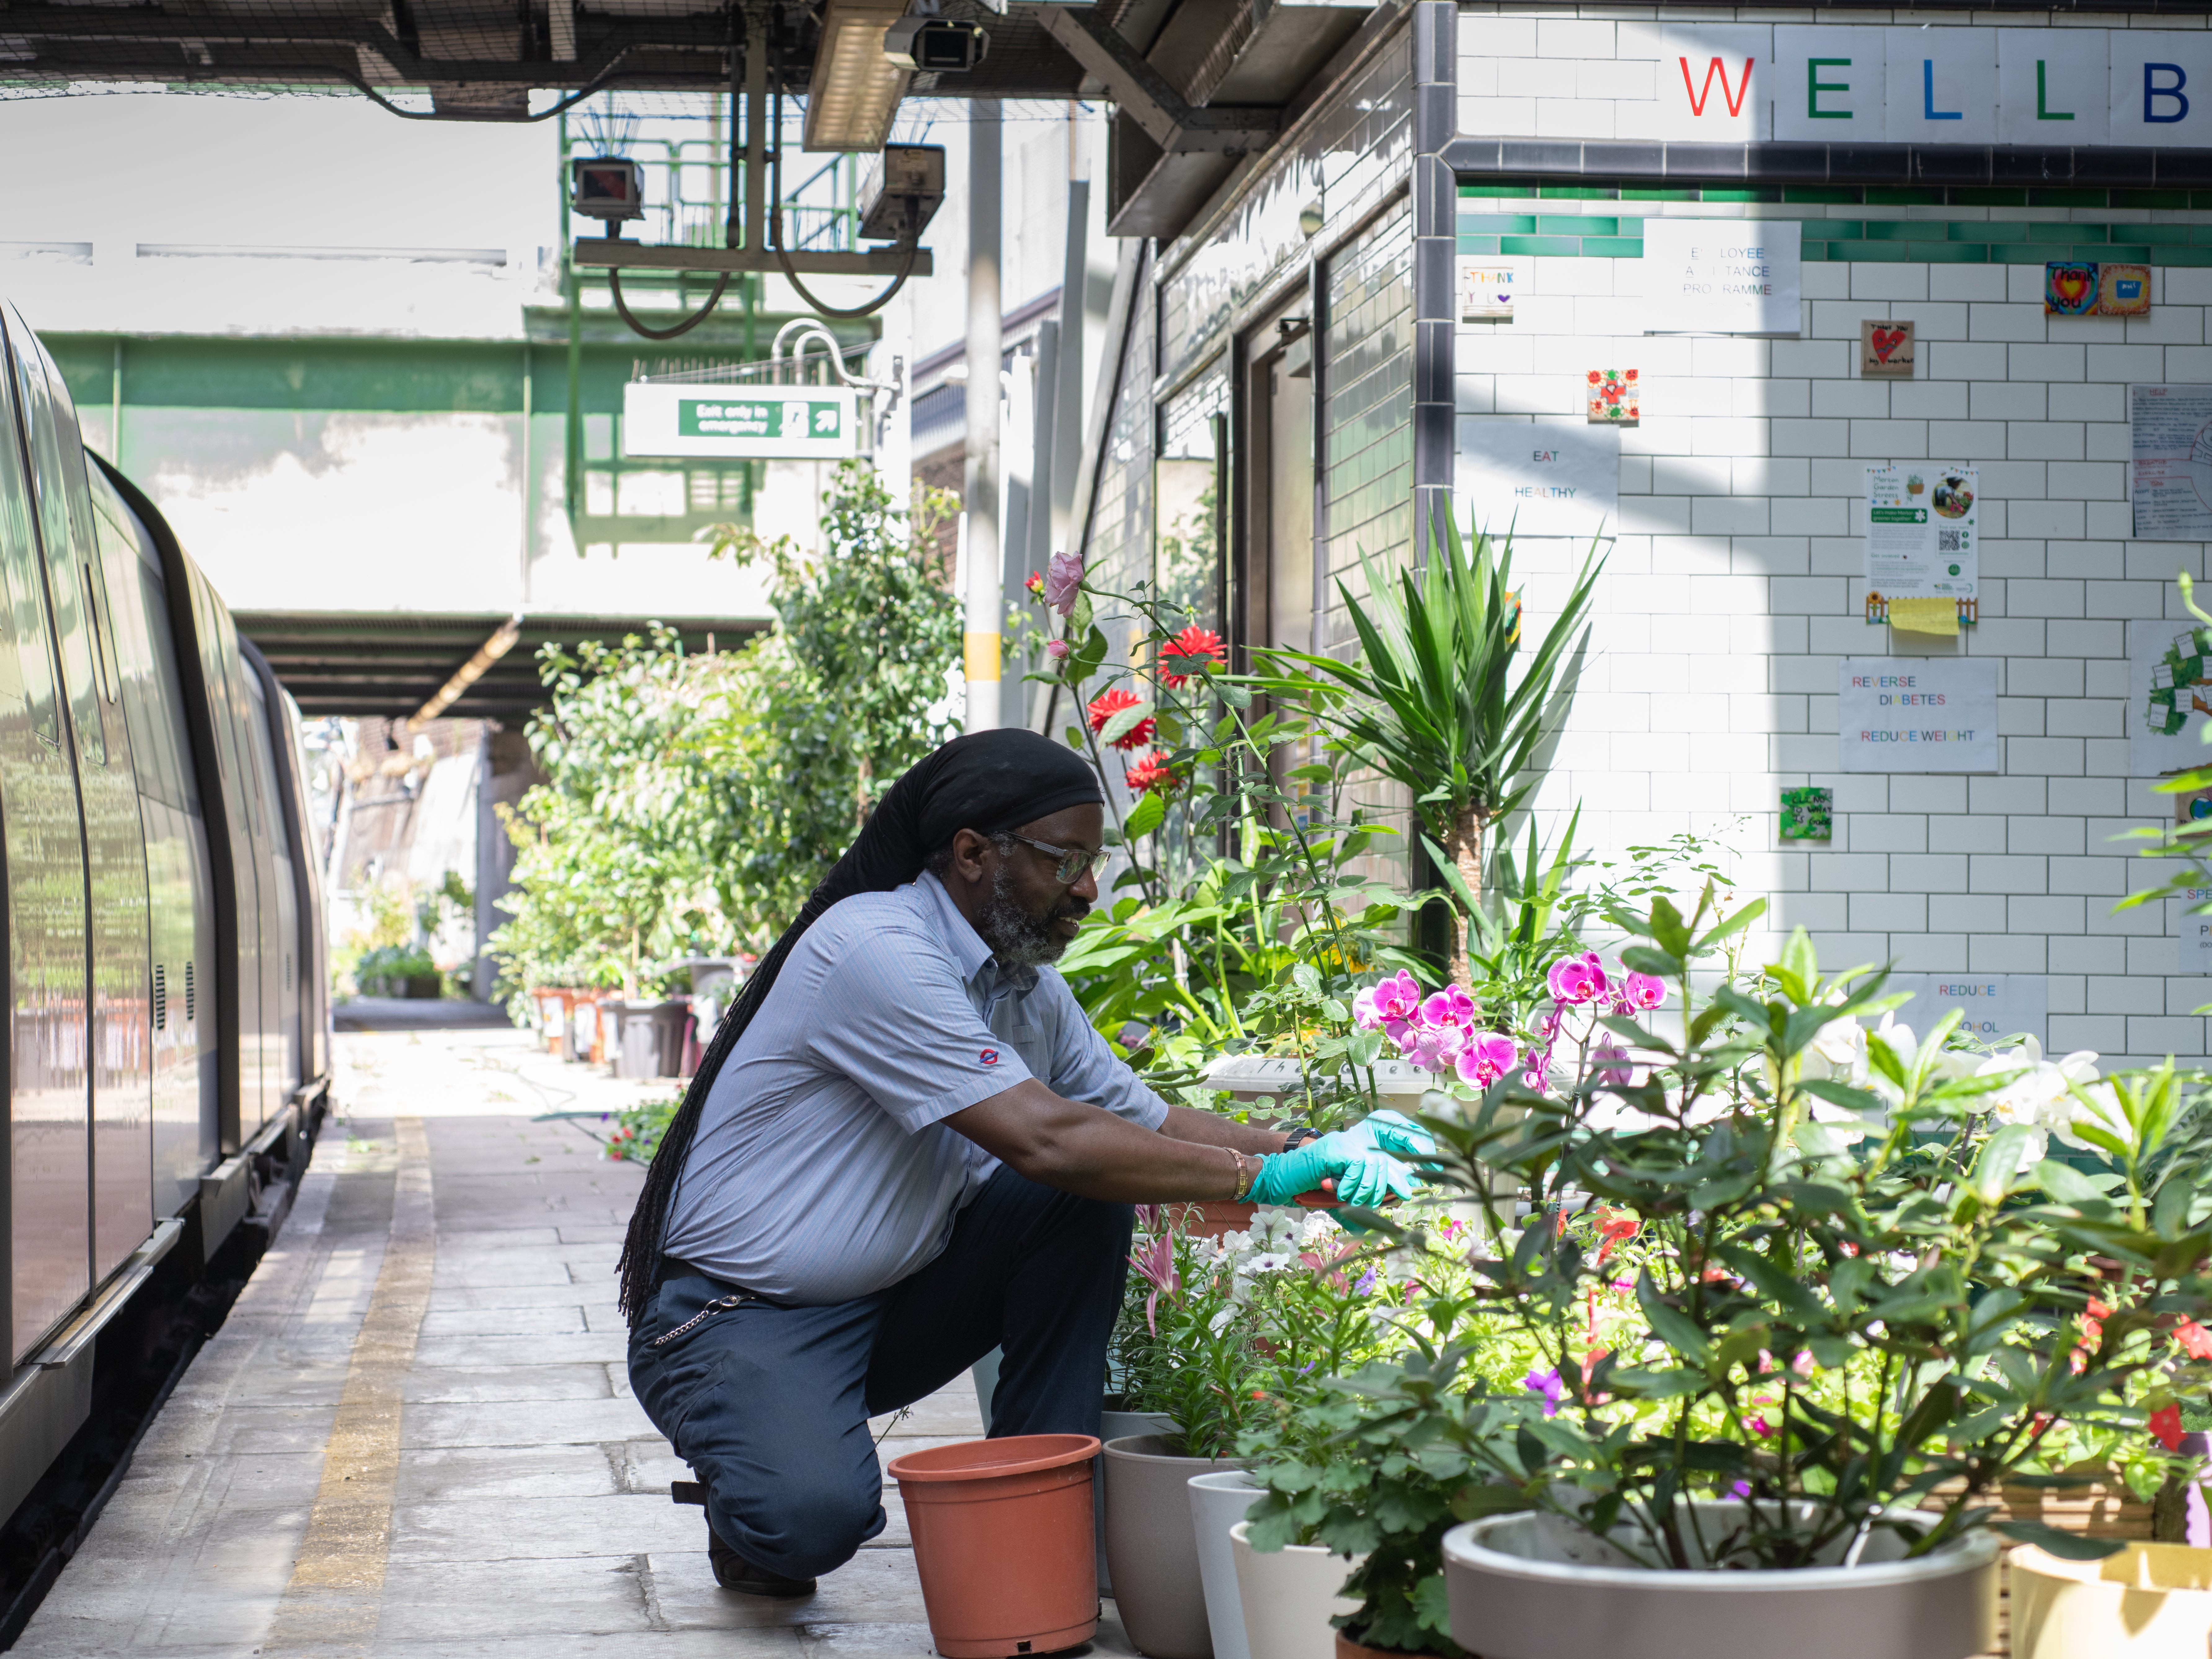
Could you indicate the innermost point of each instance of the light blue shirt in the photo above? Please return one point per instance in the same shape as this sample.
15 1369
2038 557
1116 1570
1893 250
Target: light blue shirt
823 1169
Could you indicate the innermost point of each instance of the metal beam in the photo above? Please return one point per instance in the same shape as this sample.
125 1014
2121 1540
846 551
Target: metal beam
612 253
1177 127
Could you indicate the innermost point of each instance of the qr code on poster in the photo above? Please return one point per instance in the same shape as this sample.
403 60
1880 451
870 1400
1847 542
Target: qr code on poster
1947 541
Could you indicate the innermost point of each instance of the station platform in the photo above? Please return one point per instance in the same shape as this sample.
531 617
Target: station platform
415 1435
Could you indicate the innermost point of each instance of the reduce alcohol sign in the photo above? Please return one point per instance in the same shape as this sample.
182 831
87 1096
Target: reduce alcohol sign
774 422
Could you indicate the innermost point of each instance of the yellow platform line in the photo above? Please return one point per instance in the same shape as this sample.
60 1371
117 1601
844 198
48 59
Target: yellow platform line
331 1604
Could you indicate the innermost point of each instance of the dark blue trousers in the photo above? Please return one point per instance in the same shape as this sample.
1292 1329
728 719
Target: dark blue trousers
770 1405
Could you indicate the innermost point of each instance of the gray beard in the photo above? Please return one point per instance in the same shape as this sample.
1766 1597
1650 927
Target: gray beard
1018 940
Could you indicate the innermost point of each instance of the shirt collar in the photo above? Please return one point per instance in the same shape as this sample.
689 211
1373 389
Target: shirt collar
978 967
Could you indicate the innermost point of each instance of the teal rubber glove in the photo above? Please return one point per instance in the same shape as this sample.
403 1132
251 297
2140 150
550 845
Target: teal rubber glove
1395 1134
1364 1174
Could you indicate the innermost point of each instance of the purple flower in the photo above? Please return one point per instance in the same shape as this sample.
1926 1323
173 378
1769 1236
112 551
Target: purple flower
1577 979
1431 1047
1645 990
1056 649
1487 1058
1547 1384
1449 1006
1740 1489
1063 581
1366 1283
1611 1060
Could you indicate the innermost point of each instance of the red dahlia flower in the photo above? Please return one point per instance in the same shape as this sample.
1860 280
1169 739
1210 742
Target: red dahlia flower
1149 772
1191 652
1108 704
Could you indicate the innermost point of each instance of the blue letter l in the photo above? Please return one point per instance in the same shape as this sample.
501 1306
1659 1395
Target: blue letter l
1928 94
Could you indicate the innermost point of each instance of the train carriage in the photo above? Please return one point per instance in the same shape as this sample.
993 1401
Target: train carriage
168 1030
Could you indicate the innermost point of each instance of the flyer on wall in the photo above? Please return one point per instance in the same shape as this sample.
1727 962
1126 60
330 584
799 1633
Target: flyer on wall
2170 443
1921 519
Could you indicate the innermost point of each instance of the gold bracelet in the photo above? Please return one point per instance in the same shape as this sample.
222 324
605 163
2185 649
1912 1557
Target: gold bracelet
1244 1175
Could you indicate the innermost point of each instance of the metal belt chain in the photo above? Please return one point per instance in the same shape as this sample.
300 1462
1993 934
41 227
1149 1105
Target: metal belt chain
720 1305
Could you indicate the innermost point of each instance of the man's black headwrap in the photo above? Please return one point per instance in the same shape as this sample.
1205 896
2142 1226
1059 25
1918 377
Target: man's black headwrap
987 782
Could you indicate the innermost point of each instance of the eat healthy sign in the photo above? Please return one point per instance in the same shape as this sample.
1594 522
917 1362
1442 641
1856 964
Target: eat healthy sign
1852 83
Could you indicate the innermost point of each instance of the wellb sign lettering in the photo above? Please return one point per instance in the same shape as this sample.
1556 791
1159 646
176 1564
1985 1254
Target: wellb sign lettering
1838 83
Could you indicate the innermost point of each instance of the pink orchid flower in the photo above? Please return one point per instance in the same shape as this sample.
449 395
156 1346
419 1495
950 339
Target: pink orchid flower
1486 1058
1645 990
1611 1060
1432 1048
1063 581
1389 1006
1449 1006
1577 979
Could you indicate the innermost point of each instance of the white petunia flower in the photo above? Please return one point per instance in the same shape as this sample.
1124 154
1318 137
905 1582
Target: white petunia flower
1838 1050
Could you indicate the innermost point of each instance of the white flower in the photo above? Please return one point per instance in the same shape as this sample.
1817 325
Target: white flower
1268 1261
1276 1226
1220 1320
1321 1227
1838 1050
2103 1111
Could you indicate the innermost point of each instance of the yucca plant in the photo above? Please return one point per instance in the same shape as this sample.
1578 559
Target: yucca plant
1431 701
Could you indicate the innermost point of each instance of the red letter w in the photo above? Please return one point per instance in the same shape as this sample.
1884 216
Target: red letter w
1698 94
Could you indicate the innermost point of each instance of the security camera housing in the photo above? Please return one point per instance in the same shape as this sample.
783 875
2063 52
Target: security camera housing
936 45
903 187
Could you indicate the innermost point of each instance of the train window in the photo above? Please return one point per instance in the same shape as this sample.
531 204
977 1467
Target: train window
145 658
59 538
31 661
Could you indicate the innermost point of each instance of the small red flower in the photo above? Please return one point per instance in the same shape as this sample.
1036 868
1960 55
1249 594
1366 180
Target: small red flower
1614 1228
1106 704
1191 652
2165 1427
1150 772
2196 1341
1036 584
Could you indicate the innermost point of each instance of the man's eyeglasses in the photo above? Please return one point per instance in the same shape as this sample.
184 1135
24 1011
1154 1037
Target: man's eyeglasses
1074 861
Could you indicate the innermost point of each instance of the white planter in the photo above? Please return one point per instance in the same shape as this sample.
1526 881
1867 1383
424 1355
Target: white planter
1218 1502
1288 1595
1535 1587
2149 1601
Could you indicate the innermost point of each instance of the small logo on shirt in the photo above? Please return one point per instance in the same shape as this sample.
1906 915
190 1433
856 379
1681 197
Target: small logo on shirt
989 1056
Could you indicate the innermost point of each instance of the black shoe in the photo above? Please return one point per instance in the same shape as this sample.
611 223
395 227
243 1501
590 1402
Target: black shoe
733 1572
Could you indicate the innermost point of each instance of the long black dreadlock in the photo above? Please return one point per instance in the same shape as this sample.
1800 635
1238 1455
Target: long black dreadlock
987 782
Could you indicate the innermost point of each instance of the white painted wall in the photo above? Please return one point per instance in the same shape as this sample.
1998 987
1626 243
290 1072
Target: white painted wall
1736 583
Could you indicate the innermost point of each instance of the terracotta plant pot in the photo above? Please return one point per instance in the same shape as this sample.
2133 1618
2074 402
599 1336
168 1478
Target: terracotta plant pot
1217 1503
1534 1586
1153 1547
1288 1596
2149 1601
1347 1649
1002 1542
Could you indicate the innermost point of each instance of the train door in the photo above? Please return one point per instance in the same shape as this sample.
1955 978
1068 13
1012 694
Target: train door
241 966
115 1041
186 1125
307 854
280 921
49 1138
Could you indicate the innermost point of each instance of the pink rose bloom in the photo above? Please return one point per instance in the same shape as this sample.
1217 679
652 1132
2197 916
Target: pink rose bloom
1056 649
1487 1058
1063 581
1646 990
1611 1060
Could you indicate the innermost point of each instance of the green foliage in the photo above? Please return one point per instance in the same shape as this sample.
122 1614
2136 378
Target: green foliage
692 802
1432 699
380 971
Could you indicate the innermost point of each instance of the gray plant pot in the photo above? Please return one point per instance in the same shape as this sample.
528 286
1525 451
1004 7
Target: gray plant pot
1153 1547
1114 1426
1218 1502
1537 1587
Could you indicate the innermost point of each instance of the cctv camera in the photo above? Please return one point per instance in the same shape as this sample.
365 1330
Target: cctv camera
935 44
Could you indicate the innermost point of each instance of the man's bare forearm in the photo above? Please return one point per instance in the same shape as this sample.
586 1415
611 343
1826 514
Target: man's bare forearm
1209 1129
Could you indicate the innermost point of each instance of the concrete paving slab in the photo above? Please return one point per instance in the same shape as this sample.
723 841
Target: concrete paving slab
530 1511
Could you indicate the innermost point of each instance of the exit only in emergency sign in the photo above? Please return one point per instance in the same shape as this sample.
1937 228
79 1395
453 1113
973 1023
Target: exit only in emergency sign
774 423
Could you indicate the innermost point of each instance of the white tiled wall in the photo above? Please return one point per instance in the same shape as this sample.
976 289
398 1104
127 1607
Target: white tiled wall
1735 586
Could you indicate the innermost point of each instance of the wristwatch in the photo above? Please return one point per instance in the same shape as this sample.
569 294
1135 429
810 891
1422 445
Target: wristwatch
1299 1136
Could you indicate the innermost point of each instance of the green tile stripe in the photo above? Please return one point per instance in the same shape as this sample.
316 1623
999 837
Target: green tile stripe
1922 241
1854 195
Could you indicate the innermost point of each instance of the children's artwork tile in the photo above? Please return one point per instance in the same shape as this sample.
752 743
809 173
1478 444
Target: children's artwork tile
1615 397
2069 287
1807 814
1886 350
2122 290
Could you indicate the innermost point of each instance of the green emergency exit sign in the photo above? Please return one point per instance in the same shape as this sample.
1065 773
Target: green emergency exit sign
770 422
